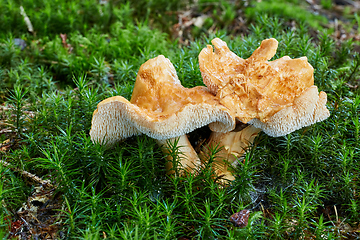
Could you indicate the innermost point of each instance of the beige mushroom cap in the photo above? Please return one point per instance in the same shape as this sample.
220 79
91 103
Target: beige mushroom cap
160 107
307 109
278 96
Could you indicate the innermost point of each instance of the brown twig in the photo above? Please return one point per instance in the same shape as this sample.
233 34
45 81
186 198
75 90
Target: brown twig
6 124
27 174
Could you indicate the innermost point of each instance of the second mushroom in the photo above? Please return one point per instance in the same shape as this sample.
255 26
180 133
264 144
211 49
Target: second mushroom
277 97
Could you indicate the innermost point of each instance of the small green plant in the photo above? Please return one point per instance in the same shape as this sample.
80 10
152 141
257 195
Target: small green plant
18 101
285 10
326 4
357 19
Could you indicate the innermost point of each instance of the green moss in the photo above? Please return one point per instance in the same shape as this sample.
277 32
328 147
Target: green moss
50 90
285 10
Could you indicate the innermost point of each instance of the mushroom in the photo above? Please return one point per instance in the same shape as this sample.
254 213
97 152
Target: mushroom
161 108
232 145
277 96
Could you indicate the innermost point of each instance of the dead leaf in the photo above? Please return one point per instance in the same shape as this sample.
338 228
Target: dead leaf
39 217
240 219
6 145
65 44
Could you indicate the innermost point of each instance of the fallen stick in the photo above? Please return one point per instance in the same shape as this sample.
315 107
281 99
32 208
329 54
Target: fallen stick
27 20
27 174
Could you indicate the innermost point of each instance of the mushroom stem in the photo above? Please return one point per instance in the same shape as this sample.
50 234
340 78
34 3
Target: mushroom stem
233 145
180 146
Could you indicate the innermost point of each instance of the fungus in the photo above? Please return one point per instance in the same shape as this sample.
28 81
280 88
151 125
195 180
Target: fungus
232 145
277 96
161 108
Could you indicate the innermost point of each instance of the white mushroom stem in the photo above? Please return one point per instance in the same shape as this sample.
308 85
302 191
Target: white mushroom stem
188 158
233 145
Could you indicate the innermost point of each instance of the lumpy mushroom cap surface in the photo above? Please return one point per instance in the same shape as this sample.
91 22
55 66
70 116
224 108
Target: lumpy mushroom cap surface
160 107
254 87
307 109
277 96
